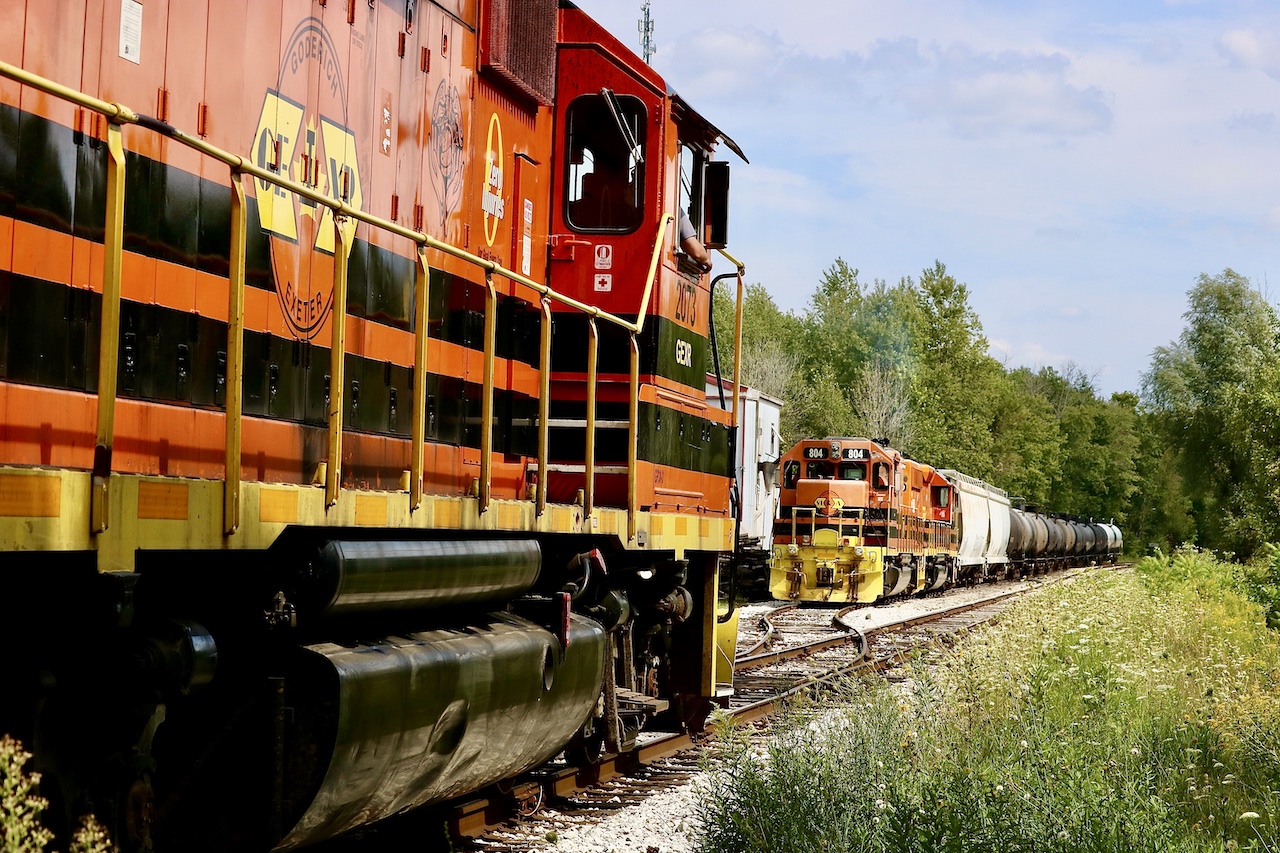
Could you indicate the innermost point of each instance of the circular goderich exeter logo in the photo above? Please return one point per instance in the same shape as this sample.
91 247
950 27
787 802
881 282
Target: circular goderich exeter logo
303 134
828 503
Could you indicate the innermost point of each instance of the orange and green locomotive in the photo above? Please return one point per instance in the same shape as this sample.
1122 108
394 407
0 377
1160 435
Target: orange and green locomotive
355 451
859 521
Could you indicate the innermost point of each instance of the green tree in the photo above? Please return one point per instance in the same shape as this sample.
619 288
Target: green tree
954 379
1026 445
1215 396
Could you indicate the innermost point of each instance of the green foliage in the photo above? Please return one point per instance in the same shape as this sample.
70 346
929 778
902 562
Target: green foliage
955 378
1121 712
1026 441
21 830
1214 397
908 362
20 807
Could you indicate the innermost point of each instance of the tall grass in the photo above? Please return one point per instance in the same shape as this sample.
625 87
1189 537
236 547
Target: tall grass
1117 712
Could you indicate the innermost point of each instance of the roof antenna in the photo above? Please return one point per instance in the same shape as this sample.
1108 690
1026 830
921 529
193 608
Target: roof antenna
645 26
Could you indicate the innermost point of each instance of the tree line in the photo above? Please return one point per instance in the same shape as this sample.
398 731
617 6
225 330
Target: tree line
1192 456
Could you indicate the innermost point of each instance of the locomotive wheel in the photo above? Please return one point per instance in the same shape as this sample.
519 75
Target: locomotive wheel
587 747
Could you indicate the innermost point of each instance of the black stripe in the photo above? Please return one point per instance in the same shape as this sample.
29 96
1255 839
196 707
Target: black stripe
49 337
659 343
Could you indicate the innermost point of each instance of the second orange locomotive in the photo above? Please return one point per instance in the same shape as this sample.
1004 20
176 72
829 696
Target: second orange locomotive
860 521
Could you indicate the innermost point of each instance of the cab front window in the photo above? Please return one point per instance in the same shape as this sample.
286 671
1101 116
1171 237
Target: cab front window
604 189
817 471
853 470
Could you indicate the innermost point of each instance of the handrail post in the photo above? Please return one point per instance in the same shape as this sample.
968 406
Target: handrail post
666 220
589 470
633 440
109 335
337 359
544 409
737 465
486 405
235 358
421 288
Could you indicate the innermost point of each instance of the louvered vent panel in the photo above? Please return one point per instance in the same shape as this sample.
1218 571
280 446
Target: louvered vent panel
520 45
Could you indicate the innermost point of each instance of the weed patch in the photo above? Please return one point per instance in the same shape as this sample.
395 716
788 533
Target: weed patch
1118 712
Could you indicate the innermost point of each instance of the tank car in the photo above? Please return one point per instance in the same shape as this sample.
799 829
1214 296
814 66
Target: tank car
858 521
355 453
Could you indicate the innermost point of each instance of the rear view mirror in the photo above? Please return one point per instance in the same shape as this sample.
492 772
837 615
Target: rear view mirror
715 201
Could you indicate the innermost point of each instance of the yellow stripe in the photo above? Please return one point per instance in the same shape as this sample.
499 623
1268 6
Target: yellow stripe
371 510
162 500
448 513
561 519
277 506
30 496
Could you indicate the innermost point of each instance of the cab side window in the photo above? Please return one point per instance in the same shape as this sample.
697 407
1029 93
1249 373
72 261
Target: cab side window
604 191
881 477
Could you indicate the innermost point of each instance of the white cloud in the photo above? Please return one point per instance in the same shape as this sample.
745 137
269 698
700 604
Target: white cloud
1251 49
1011 91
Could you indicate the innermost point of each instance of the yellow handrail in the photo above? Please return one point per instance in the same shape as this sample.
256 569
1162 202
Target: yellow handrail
109 338
589 456
666 220
235 357
486 403
422 283
337 361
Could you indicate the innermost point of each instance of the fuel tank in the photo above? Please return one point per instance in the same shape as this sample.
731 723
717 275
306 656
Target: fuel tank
405 721
361 576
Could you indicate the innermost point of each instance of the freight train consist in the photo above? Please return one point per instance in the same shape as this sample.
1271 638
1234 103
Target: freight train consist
859 521
355 453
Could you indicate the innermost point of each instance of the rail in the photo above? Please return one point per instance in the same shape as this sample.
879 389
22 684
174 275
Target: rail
119 114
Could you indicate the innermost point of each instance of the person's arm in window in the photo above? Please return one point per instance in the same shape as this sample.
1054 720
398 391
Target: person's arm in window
691 245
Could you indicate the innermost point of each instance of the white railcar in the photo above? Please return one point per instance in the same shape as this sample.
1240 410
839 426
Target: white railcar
984 526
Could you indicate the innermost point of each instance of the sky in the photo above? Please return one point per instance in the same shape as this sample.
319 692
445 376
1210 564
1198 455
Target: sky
1076 164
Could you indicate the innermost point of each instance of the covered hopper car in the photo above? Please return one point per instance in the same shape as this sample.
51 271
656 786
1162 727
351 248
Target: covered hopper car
355 451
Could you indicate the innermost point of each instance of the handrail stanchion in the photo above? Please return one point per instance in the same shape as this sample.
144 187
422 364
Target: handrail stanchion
544 408
421 288
486 405
109 336
235 358
337 358
638 326
589 470
633 440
